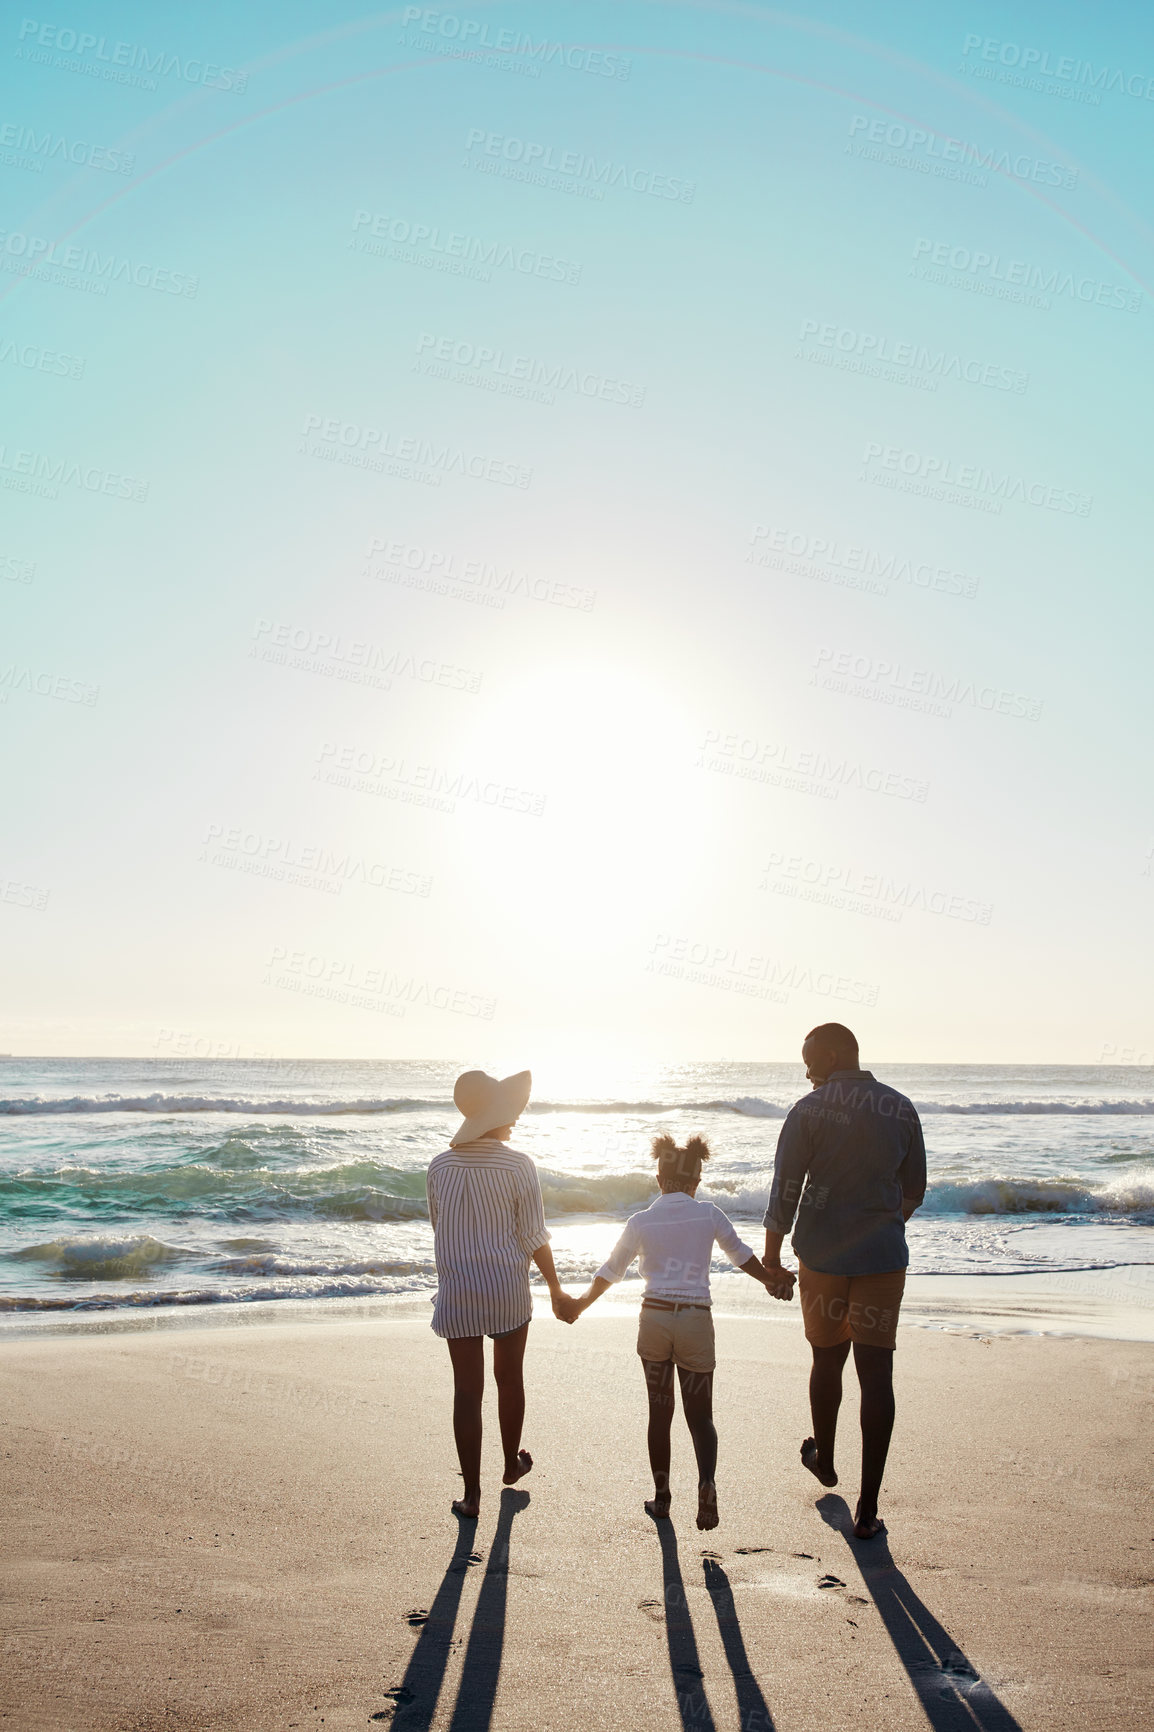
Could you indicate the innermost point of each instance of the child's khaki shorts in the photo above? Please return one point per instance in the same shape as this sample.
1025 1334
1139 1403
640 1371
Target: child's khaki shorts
685 1336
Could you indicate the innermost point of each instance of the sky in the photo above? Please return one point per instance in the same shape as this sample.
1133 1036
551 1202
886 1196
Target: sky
565 530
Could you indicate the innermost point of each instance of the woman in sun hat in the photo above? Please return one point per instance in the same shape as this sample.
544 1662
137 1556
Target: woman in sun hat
488 1223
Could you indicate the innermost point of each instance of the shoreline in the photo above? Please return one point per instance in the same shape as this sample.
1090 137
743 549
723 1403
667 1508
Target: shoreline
1109 1304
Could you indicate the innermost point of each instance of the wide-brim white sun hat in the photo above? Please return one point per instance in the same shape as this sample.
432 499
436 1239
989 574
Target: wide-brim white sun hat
487 1104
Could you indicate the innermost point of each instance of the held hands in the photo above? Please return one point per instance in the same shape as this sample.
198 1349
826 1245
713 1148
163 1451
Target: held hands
778 1281
565 1307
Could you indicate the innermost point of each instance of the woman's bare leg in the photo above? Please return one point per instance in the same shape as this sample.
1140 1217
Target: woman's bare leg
468 1356
508 1363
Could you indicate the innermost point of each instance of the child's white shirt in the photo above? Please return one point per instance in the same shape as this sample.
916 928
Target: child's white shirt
673 1241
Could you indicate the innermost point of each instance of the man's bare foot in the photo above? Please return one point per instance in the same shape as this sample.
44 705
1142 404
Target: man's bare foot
658 1507
707 1505
866 1527
469 1507
809 1459
519 1468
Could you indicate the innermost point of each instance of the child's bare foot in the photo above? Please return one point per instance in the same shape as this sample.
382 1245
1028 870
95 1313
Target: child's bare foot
468 1506
866 1527
519 1468
707 1505
809 1458
658 1507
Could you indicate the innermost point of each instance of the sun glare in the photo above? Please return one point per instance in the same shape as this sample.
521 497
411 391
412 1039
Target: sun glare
609 744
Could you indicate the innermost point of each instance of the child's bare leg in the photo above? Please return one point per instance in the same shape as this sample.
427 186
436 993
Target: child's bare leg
467 1354
508 1361
697 1401
659 1383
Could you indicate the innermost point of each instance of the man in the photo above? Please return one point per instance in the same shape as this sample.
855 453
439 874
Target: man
851 1165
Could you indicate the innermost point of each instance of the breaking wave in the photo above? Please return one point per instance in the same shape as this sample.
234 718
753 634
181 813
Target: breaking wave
746 1106
1061 1109
369 1190
1134 1199
299 1287
47 1104
96 1259
354 1190
271 1265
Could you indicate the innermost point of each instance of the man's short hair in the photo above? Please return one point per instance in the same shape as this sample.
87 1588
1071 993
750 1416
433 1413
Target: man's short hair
833 1034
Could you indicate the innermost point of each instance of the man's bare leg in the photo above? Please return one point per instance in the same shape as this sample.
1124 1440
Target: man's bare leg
824 1402
508 1367
697 1402
659 1385
468 1356
875 1372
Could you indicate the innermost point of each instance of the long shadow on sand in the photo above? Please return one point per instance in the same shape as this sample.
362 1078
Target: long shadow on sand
953 1695
417 1695
482 1670
753 1710
684 1661
420 1690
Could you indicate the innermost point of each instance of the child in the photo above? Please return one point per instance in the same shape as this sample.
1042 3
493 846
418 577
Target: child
673 1240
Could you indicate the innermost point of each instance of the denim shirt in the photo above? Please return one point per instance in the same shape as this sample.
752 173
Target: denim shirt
847 1155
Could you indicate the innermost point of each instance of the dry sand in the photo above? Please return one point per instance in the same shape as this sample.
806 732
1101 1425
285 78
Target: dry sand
249 1527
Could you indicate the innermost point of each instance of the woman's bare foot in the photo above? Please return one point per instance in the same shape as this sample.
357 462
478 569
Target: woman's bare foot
866 1527
467 1506
519 1468
707 1505
658 1507
809 1458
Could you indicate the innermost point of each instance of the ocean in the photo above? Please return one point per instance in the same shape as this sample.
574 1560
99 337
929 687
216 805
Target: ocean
129 1183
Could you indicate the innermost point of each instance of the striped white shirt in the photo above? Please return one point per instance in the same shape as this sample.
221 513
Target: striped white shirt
488 1218
673 1240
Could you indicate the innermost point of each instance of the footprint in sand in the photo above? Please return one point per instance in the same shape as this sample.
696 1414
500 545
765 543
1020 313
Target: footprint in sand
830 1582
416 1619
399 1697
808 1555
747 1551
466 1564
652 1609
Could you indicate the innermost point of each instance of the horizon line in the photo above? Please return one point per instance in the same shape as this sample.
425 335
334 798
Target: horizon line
289 1058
